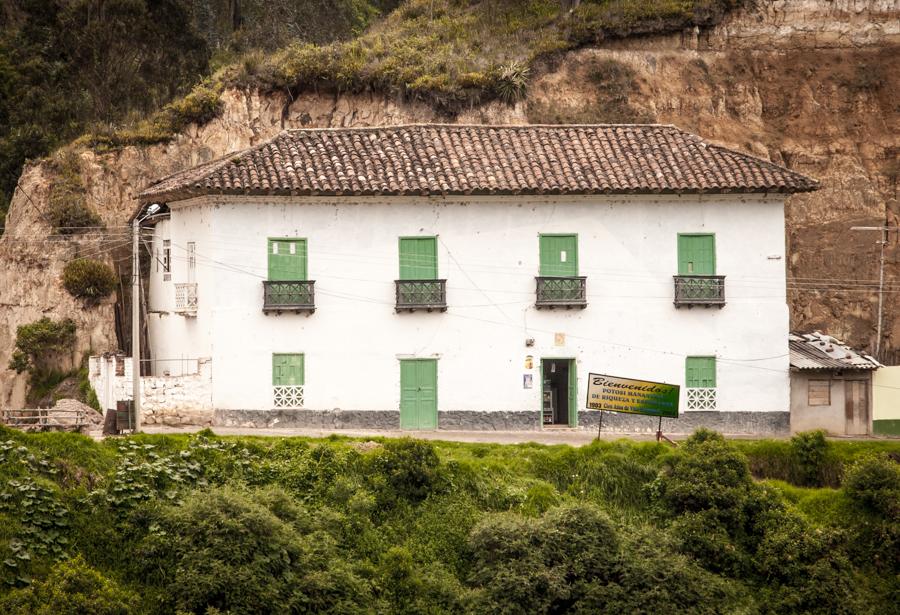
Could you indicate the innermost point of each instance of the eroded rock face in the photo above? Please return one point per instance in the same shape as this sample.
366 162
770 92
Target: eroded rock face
809 84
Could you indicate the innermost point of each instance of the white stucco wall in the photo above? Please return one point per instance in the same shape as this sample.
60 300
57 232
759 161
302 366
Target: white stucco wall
488 251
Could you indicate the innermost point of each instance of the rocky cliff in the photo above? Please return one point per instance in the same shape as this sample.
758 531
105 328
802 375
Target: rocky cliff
811 85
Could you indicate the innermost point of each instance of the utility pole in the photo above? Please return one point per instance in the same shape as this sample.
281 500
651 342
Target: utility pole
136 324
136 314
884 238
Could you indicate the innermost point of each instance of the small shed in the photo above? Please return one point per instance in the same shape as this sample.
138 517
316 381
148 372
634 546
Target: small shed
831 385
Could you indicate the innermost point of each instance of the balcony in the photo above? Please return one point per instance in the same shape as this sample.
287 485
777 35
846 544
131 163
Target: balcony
569 292
426 295
703 290
289 296
186 299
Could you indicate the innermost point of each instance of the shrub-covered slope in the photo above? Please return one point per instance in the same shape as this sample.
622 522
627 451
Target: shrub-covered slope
202 524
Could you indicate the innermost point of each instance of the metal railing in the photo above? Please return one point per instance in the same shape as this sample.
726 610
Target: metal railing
421 295
186 298
565 292
289 296
705 290
44 419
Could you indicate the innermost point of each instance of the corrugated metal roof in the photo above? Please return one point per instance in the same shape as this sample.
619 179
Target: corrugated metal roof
819 351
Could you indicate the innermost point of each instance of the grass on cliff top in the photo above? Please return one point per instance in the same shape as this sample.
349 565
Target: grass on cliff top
451 54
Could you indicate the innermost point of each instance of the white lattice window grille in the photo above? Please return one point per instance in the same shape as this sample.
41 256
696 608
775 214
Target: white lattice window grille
288 396
701 398
186 298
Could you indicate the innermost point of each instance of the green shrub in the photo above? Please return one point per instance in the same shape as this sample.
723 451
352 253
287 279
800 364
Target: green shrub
810 453
86 278
873 483
67 209
72 588
38 344
405 469
246 552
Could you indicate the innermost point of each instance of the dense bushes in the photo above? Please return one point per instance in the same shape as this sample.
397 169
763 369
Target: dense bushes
71 588
201 524
86 278
38 344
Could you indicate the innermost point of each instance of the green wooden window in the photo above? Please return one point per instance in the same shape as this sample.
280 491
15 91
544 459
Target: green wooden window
287 369
418 394
287 260
696 254
418 258
559 255
700 372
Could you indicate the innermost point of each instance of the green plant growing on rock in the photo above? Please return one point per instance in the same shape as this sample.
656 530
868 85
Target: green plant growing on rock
68 211
89 279
40 344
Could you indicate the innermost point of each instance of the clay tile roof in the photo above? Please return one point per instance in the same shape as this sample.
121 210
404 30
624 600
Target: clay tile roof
819 351
448 159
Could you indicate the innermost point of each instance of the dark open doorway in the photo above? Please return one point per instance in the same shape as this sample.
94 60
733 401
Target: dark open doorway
557 386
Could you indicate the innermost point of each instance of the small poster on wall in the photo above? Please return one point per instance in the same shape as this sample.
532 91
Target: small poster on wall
527 381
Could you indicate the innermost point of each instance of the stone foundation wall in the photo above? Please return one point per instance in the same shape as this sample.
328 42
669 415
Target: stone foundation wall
734 423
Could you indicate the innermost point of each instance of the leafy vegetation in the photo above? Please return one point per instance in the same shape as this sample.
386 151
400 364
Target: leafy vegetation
39 344
203 524
90 279
73 66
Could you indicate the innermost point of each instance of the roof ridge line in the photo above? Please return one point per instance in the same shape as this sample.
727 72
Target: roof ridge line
467 125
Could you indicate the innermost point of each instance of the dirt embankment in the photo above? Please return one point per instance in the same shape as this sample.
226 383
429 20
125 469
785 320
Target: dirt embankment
812 85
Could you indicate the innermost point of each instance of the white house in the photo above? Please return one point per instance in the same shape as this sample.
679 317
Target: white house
470 277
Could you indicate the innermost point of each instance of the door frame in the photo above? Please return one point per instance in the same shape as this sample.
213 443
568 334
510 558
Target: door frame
572 393
436 415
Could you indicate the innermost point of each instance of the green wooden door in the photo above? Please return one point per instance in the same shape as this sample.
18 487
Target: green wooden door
418 394
287 369
287 260
573 395
696 254
418 258
700 372
559 256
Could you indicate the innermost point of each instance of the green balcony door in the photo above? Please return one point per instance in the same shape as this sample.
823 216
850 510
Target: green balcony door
559 256
287 369
287 260
696 254
418 258
418 394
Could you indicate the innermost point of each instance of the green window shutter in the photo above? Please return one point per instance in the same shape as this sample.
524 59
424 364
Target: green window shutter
700 372
559 255
418 258
696 254
288 369
287 260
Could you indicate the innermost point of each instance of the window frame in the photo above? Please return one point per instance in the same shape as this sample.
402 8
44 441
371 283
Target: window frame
809 384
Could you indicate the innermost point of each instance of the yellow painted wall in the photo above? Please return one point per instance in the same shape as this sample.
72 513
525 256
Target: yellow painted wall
886 401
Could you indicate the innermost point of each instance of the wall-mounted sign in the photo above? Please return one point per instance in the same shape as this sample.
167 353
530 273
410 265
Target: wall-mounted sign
559 339
632 396
529 362
527 381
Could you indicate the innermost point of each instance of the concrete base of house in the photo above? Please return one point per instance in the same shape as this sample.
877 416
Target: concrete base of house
738 423
744 423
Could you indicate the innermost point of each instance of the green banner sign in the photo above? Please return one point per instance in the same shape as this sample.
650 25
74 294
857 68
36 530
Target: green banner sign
632 396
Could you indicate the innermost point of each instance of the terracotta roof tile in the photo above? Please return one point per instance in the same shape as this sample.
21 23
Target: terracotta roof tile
459 159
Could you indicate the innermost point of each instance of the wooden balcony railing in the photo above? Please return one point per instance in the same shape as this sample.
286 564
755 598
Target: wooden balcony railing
186 299
705 290
421 295
552 292
289 296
